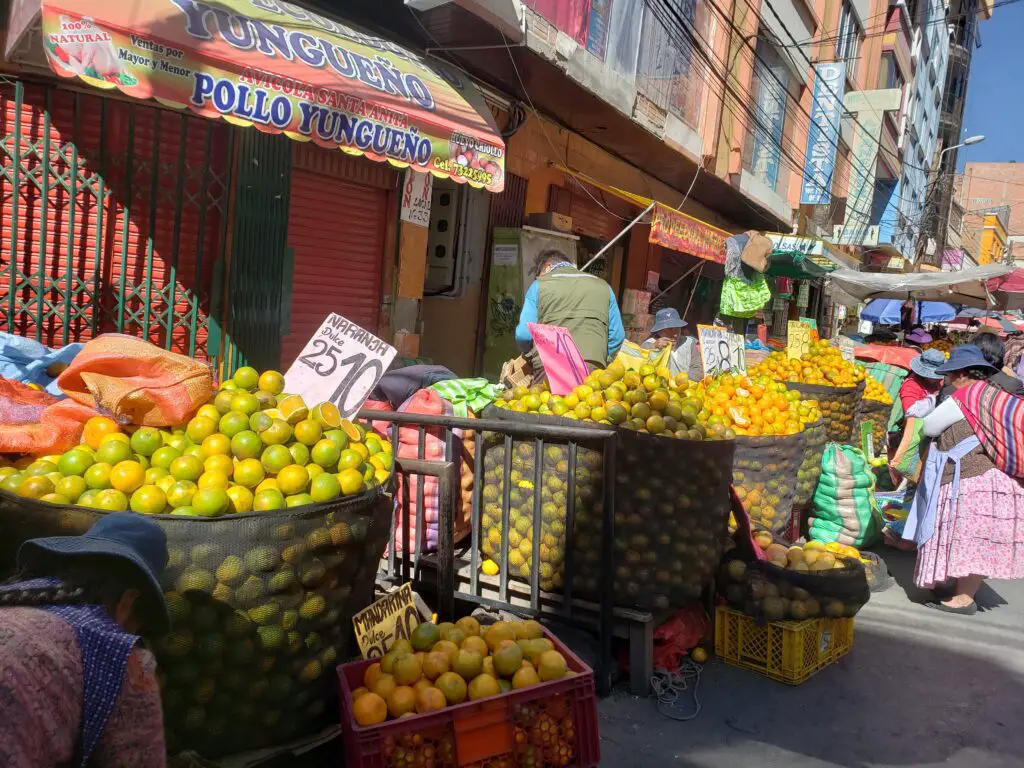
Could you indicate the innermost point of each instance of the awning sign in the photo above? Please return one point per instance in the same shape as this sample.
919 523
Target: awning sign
340 364
675 230
282 69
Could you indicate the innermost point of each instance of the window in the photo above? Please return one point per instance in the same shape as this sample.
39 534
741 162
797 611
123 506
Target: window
667 74
849 38
764 139
889 76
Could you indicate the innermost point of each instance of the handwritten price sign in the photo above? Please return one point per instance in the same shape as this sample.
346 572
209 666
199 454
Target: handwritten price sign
798 340
562 360
391 618
340 364
846 348
721 351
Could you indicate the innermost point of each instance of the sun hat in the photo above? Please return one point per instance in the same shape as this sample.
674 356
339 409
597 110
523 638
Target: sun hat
963 357
919 336
667 318
924 365
123 536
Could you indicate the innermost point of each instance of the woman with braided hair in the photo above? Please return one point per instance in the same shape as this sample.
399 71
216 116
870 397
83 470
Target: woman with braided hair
75 687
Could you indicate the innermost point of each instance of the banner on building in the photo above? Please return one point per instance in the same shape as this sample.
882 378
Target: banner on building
675 230
282 69
823 133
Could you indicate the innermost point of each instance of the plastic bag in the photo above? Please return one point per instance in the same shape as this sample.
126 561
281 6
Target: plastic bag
845 510
32 421
908 460
740 299
632 356
137 382
28 361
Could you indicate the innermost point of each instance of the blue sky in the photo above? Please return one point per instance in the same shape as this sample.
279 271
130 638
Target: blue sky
995 92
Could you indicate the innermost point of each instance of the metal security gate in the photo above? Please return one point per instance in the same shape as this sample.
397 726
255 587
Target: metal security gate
113 216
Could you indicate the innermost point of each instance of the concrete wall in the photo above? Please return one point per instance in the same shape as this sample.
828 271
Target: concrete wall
990 185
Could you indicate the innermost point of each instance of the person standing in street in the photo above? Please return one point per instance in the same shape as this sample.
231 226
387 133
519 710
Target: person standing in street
583 303
668 331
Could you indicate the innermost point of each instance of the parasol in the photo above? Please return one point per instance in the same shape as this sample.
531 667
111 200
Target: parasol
887 311
1008 290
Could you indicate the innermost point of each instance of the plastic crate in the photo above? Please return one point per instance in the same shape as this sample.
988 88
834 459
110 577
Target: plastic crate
787 651
558 718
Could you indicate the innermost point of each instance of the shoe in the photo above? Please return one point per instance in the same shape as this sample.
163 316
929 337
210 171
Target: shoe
944 591
967 610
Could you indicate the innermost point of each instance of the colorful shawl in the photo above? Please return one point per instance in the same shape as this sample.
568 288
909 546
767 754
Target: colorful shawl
997 417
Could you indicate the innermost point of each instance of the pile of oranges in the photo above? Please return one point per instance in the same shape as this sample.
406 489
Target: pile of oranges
823 365
252 448
756 407
875 391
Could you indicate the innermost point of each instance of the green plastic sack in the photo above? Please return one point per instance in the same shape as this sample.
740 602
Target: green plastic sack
742 299
845 510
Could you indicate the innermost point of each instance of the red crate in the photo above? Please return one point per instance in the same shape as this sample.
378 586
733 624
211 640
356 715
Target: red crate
496 732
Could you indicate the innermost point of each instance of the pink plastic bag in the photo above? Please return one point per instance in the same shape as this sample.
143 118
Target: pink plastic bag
562 360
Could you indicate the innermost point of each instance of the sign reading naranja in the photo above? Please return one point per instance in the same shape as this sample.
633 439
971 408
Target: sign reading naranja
283 69
675 230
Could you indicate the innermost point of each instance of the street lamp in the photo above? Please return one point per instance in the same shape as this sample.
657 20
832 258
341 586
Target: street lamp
969 141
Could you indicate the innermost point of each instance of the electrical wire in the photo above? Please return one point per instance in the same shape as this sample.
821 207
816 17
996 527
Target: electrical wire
670 687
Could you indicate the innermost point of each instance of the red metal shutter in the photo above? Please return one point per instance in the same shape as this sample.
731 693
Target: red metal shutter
336 231
112 217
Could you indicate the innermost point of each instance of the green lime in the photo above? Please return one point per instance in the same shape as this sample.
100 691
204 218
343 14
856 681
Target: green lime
113 451
275 458
72 487
326 453
337 437
246 445
299 500
148 500
211 502
324 487
75 462
146 441
243 402
349 459
162 457
186 468
180 494
278 433
40 468
12 483
233 422
249 473
267 500
97 476
246 378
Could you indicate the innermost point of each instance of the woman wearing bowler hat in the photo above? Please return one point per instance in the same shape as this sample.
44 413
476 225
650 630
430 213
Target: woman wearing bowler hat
967 517
75 687
668 330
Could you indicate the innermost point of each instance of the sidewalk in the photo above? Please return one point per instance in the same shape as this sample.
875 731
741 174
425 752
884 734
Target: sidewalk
920 688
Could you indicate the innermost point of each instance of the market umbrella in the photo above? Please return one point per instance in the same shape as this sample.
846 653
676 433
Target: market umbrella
878 353
1008 290
965 287
887 311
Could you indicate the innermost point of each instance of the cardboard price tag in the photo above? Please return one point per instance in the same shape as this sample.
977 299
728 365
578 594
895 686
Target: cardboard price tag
563 363
340 364
798 340
721 351
391 618
846 348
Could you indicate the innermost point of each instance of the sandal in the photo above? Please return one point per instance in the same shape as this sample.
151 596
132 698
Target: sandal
966 610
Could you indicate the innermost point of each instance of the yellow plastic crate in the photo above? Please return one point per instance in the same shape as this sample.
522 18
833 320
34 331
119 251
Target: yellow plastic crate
787 651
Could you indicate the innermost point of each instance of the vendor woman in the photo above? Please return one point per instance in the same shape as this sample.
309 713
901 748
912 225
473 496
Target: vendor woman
668 331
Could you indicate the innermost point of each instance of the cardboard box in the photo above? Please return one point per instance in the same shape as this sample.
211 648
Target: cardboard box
556 221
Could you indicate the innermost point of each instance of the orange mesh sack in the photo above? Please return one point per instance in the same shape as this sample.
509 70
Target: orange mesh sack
137 382
33 421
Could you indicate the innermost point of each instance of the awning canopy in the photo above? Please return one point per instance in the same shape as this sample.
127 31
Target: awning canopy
670 228
966 287
274 66
1009 290
821 252
797 266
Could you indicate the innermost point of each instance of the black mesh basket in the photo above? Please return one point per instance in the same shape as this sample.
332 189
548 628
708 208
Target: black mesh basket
815 438
763 472
838 407
262 607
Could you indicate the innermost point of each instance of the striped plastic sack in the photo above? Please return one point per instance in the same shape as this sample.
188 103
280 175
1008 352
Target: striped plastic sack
845 510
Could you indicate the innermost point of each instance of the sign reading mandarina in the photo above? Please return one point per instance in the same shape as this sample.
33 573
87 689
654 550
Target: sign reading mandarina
283 69
675 230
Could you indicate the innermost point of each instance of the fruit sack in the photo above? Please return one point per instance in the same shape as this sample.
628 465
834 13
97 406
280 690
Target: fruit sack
838 406
763 472
670 518
878 414
815 439
797 583
262 607
428 402
845 509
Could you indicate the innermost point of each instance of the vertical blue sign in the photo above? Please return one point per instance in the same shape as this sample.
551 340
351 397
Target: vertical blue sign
823 133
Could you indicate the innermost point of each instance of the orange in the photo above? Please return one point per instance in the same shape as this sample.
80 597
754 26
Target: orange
216 444
246 445
186 468
369 709
97 428
148 500
467 664
111 500
361 691
272 382
114 451
324 487
246 378
308 432
243 402
352 481
699 655
551 666
453 687
525 676
249 473
436 664
241 499
429 699
293 479
372 675
75 463
162 457
483 686
385 685
475 643
401 700
268 499
219 463
213 479
127 476
36 487
407 669
200 428
97 476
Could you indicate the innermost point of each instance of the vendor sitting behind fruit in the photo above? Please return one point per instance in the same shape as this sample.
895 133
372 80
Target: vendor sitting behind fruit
568 297
668 331
75 687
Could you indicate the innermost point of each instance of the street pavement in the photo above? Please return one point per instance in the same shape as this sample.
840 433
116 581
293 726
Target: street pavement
920 688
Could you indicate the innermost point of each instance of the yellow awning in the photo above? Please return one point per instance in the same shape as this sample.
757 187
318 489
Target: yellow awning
669 228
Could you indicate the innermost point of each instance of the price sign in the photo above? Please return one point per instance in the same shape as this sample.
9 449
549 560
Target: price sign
340 364
720 350
810 321
846 347
391 618
563 363
798 340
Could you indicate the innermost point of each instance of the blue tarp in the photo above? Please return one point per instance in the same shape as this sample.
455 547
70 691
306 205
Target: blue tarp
887 312
26 361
